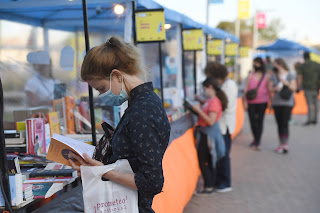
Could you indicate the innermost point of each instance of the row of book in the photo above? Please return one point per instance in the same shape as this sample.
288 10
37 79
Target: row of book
37 184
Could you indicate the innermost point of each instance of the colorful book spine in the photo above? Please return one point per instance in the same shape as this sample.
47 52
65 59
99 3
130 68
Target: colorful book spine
54 123
69 106
52 173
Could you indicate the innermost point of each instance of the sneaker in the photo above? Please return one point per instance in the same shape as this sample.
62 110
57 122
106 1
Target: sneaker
206 191
222 189
285 148
279 149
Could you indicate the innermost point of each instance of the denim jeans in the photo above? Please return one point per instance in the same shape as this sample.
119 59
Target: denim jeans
224 164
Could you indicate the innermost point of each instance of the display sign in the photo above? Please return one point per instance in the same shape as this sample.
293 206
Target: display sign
150 25
231 49
192 39
244 52
261 20
214 47
243 9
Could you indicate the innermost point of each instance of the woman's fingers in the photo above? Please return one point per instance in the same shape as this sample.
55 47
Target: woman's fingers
91 161
78 158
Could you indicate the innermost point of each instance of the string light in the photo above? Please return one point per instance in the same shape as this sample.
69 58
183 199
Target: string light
118 9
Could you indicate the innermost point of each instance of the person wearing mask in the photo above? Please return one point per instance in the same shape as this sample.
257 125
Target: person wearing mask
39 89
227 122
269 65
308 80
142 135
208 127
256 98
283 85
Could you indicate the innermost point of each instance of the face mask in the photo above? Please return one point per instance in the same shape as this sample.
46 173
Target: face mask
257 68
111 99
275 70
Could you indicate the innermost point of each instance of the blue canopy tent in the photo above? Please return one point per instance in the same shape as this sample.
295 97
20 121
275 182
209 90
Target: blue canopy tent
286 47
288 50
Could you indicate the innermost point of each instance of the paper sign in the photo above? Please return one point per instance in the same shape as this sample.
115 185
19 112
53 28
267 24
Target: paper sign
192 39
244 9
214 47
150 26
244 52
231 49
261 21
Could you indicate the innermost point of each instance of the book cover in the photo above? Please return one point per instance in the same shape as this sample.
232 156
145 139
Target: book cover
69 106
35 136
39 136
47 137
61 146
40 189
53 173
16 191
58 108
54 123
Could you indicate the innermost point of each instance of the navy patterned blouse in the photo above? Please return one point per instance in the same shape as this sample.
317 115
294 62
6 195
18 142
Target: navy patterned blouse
142 137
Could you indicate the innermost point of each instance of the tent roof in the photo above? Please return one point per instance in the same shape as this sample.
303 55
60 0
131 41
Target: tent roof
286 45
67 15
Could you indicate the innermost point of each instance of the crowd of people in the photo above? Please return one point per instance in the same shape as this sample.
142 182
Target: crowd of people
269 85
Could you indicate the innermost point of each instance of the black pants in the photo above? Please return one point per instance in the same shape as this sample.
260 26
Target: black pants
283 115
205 162
224 165
256 115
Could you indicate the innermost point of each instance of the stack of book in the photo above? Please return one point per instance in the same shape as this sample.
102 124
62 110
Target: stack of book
15 141
27 192
16 191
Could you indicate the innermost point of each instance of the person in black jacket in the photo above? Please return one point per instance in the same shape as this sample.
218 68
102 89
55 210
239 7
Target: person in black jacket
143 132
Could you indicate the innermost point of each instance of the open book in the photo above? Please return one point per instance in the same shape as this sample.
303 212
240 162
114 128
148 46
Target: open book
61 147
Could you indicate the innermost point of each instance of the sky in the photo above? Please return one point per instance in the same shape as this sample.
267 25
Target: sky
301 18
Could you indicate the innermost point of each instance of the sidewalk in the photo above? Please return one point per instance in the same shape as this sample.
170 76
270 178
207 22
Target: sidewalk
267 182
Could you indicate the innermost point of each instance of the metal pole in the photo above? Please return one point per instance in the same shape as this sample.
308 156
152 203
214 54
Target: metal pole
3 157
134 22
161 73
183 70
255 33
195 71
86 35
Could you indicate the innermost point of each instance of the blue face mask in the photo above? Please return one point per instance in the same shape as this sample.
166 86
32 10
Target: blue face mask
111 99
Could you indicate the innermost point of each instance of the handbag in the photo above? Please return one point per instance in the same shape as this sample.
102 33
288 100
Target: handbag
252 94
107 196
103 150
285 93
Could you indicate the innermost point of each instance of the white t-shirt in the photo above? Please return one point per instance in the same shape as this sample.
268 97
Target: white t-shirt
42 87
228 119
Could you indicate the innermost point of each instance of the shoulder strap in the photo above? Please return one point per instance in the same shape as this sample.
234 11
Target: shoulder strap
260 81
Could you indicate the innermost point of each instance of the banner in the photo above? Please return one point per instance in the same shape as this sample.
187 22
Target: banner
261 21
231 49
244 52
192 39
150 26
214 47
244 9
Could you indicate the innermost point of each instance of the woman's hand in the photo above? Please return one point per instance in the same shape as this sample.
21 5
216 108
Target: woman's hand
196 108
245 104
87 161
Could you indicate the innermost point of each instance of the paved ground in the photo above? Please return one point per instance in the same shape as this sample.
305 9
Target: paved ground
266 182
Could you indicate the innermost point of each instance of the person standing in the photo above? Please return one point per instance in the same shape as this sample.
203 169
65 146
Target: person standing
283 85
308 78
143 133
227 122
208 127
256 104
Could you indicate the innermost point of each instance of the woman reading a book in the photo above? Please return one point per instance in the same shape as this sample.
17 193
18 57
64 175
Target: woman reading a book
142 134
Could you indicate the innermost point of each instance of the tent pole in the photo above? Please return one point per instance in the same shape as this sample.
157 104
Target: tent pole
5 188
161 72
195 71
86 35
183 68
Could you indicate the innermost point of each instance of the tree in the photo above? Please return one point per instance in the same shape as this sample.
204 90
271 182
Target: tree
271 32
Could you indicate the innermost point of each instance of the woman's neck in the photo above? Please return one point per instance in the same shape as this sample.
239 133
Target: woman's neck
131 82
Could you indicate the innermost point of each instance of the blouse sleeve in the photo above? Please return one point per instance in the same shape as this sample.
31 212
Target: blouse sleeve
214 106
147 147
